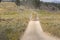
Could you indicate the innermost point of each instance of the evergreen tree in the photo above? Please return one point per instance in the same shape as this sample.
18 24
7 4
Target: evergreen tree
36 3
0 0
18 2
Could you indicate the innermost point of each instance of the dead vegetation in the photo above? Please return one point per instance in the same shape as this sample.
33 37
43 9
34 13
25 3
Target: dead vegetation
15 22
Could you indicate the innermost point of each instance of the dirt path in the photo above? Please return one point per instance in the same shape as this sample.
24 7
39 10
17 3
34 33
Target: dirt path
35 32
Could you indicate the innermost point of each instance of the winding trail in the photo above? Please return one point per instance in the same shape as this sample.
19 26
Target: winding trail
35 32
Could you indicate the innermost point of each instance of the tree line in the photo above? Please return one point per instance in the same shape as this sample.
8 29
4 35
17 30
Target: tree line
51 3
37 3
34 3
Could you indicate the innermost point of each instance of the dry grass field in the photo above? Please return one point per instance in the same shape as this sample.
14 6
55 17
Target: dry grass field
14 23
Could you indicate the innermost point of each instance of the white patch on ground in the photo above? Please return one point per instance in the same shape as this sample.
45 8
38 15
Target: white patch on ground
34 32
